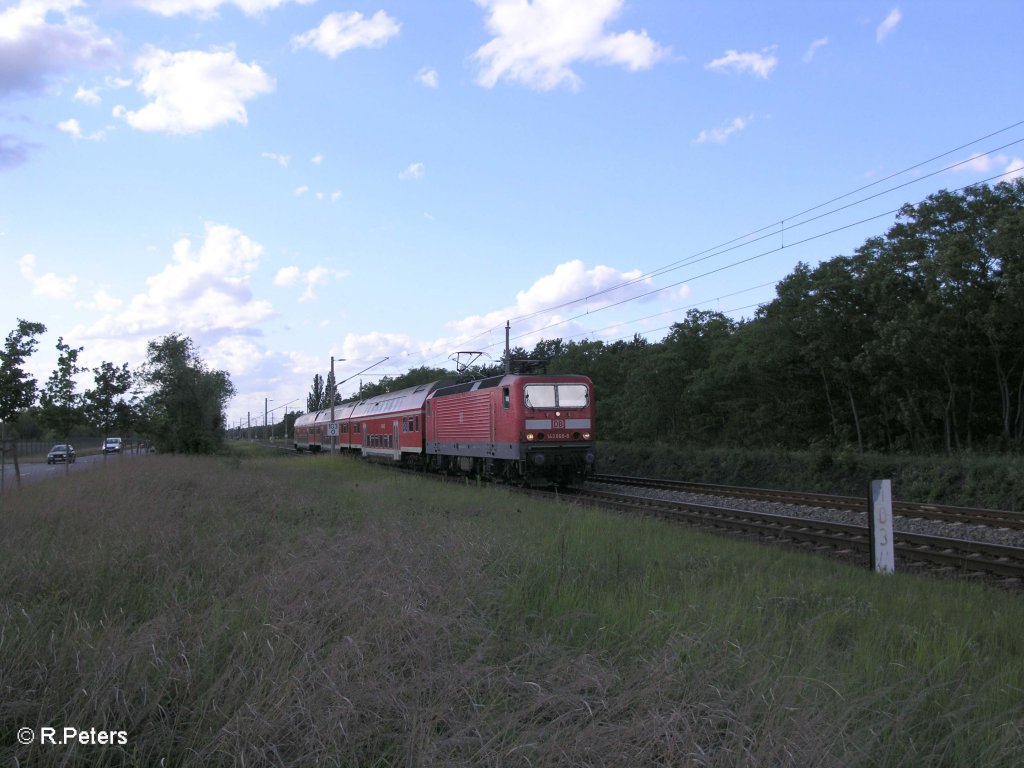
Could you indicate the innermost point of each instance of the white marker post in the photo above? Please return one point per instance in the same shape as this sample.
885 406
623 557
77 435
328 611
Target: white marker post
880 530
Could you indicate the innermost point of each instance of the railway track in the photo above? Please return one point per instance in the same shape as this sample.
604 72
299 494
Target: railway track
948 554
914 551
942 513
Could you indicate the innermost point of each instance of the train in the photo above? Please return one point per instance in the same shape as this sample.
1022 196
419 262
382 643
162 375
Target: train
528 429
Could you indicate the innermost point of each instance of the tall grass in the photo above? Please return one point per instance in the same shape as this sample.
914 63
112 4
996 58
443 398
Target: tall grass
244 611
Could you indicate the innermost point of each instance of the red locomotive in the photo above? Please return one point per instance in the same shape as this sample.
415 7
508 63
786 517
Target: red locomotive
516 428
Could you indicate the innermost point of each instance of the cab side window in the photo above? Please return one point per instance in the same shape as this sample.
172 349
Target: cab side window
506 398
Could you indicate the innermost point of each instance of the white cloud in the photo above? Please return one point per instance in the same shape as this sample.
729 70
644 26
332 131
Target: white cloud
341 32
758 64
887 26
721 135
201 292
102 302
41 38
316 277
319 194
980 163
375 346
287 276
538 43
571 280
304 363
1014 170
821 42
48 285
117 83
194 91
1011 167
87 95
316 159
414 172
428 77
281 160
311 279
565 289
206 8
237 354
71 126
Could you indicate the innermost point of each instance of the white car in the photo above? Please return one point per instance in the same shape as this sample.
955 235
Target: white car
112 445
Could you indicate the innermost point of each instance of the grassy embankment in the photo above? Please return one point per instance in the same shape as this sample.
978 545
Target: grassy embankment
228 611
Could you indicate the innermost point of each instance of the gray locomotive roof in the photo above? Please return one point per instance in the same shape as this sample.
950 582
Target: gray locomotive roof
467 386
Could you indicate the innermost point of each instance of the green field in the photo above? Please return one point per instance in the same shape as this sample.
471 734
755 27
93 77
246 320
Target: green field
321 611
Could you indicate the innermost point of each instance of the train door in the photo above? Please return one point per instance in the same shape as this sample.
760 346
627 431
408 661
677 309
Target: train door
397 444
365 435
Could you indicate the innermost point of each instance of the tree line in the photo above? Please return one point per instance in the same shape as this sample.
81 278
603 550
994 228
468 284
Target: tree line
173 399
914 343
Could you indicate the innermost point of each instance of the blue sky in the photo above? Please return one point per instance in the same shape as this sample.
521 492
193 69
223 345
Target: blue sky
286 181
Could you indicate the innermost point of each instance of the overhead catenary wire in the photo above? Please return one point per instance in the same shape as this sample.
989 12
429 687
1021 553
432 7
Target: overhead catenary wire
633 321
762 254
773 230
534 332
787 224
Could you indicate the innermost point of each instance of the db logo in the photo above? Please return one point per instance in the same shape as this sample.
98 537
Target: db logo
558 423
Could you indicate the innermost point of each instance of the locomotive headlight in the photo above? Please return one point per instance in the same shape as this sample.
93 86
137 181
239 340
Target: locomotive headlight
529 436
586 435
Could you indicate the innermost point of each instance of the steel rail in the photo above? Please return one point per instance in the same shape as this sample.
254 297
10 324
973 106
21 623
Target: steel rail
950 514
911 548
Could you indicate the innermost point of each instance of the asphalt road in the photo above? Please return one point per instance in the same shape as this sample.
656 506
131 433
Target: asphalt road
38 470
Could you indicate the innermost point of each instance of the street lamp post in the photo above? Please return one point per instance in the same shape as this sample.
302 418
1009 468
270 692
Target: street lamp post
284 418
334 388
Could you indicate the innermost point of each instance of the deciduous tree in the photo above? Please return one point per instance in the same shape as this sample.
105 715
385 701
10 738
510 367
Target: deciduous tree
183 411
17 388
315 398
104 405
61 405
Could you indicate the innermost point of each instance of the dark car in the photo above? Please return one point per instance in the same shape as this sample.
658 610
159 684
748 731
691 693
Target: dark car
61 453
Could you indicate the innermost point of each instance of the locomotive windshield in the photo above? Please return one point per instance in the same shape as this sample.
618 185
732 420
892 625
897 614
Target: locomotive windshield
556 395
